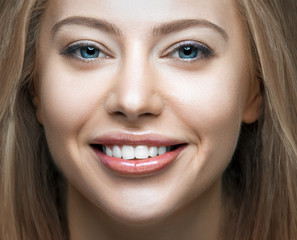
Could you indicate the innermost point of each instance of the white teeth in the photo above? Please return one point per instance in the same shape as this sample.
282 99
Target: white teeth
139 152
128 152
108 151
161 150
116 151
153 151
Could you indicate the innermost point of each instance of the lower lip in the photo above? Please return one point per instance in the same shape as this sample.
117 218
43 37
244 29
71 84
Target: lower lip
139 167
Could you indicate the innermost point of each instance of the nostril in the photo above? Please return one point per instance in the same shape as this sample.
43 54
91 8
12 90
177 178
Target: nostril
119 113
131 116
133 104
146 114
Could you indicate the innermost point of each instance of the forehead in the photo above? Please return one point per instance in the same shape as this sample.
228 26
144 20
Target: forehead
141 14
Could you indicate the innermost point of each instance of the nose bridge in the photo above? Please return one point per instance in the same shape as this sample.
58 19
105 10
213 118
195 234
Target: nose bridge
135 81
134 94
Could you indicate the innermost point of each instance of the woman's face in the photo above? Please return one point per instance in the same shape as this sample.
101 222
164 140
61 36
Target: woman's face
131 77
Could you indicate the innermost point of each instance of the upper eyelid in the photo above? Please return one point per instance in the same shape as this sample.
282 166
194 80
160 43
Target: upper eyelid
85 43
175 46
109 53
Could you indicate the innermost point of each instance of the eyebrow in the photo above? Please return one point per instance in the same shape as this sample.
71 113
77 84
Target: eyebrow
182 24
88 22
162 29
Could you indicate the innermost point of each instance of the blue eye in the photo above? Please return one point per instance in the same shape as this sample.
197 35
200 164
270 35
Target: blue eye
84 50
89 52
189 51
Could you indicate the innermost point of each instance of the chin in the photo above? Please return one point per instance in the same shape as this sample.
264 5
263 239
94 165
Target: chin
137 210
140 217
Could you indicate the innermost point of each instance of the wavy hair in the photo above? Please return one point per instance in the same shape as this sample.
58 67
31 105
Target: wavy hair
260 183
30 185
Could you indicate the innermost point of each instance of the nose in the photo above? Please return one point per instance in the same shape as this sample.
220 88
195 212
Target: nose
134 95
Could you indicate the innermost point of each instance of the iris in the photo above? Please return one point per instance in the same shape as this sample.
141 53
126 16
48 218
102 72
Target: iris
89 52
188 52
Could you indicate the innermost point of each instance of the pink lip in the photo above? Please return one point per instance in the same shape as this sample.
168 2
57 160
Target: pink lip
135 139
137 167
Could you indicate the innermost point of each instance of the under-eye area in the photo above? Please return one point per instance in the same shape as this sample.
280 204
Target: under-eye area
130 152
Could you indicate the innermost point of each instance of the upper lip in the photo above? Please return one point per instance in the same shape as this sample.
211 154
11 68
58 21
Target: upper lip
128 138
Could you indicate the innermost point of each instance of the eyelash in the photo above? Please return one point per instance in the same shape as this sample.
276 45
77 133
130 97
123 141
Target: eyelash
198 51
201 51
75 49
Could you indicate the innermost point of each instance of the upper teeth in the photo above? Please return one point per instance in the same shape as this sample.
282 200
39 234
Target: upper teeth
131 152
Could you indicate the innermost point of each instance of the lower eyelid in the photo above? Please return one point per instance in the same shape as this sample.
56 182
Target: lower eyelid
204 51
72 51
207 51
201 53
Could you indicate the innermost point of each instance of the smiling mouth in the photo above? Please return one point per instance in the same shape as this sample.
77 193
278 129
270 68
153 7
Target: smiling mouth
134 152
131 155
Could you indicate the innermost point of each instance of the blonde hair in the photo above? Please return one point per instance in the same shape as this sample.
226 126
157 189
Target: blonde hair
31 207
260 184
261 181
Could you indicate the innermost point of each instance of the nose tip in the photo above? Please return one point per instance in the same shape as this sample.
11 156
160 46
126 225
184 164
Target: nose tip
135 92
133 106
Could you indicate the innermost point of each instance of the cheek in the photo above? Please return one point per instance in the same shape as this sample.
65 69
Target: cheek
69 98
67 103
208 103
210 106
62 104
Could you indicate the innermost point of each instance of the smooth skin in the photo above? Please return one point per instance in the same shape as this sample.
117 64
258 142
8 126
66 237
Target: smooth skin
138 67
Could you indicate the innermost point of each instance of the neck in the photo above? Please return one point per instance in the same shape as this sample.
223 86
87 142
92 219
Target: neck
200 219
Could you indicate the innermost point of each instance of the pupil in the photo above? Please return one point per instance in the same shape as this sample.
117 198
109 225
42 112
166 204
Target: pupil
90 51
188 50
